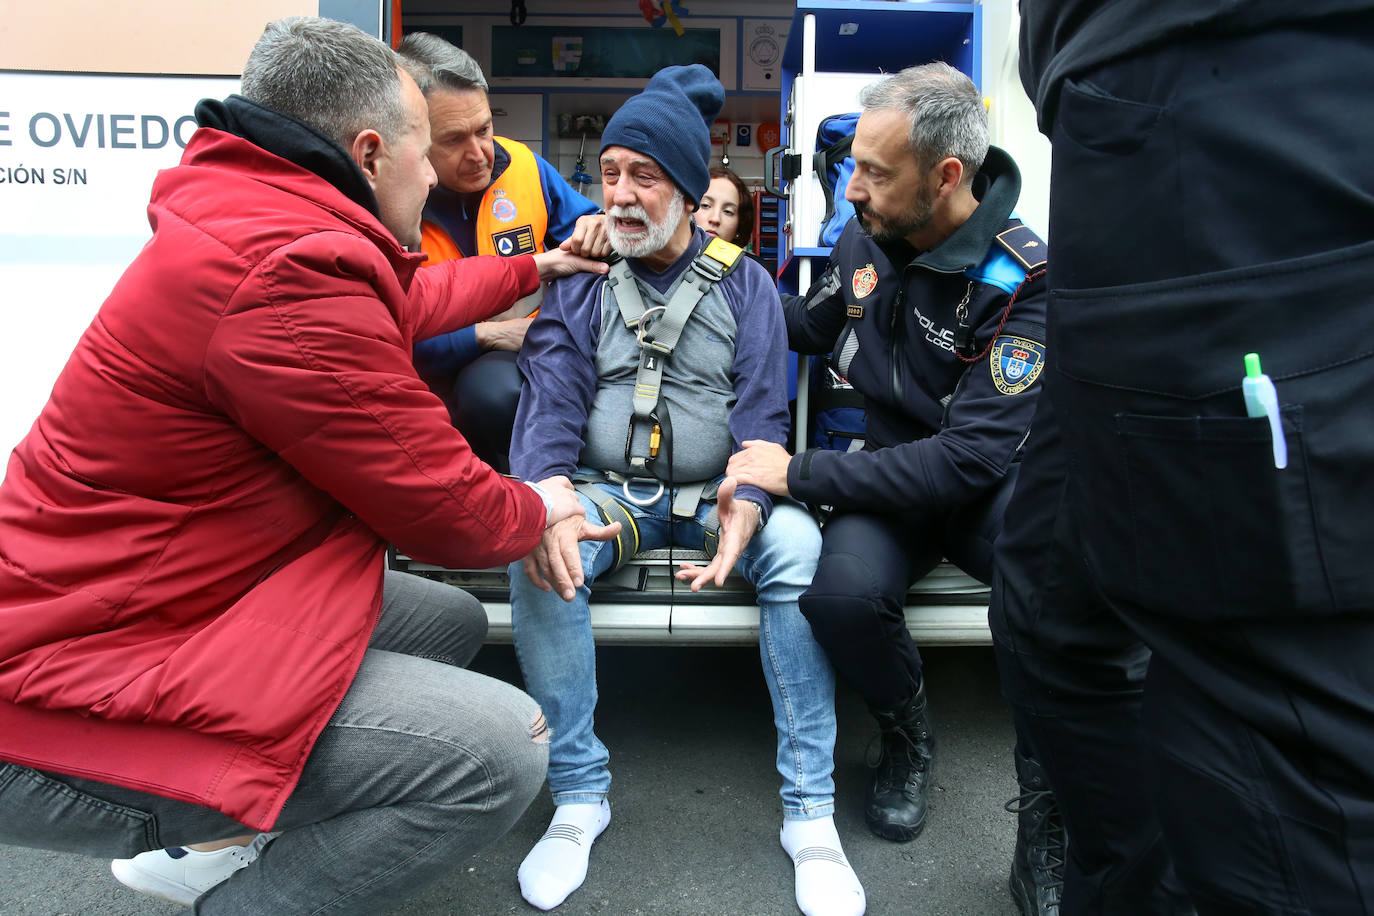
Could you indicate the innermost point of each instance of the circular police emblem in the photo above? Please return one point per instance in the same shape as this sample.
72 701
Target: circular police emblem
503 208
865 281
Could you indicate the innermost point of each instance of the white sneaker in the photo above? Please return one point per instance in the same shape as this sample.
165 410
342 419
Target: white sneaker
181 875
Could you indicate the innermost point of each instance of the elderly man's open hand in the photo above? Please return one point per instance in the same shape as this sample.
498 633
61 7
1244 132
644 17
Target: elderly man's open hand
556 564
739 519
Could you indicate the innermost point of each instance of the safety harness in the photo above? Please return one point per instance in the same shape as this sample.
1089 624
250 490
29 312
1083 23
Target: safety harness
657 330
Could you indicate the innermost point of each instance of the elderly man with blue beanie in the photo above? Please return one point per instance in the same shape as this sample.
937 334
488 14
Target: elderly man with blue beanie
640 385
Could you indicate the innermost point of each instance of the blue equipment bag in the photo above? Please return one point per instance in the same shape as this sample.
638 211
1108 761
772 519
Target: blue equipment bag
837 410
834 166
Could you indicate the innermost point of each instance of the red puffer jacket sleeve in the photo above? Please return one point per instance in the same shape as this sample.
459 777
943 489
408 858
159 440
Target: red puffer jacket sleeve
312 358
461 292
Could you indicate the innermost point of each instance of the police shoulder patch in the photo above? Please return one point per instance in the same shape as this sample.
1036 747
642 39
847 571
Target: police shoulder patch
1029 250
1015 363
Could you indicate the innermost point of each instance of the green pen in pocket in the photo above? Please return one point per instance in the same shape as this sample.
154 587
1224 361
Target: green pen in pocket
1261 400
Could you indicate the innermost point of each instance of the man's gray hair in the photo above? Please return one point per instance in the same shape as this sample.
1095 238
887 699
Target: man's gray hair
436 64
331 75
945 113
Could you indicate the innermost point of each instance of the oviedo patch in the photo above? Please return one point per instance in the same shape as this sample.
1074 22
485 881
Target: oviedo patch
1015 363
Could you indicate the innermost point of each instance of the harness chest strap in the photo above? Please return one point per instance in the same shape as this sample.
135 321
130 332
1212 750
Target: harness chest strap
658 329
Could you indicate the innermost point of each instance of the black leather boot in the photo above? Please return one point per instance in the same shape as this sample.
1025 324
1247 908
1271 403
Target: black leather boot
1037 865
898 798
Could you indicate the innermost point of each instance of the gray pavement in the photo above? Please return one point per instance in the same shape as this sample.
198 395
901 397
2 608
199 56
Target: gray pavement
695 811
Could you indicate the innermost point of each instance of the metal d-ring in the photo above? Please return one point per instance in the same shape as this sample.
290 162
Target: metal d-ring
644 323
645 503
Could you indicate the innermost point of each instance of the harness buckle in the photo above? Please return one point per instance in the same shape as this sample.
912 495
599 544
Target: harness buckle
644 324
709 268
717 259
655 441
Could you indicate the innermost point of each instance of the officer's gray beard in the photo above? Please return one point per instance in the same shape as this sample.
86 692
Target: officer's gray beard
657 234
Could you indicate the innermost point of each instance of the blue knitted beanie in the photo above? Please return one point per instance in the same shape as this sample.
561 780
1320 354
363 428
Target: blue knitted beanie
670 121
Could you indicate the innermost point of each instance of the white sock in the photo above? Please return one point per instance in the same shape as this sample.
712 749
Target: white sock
557 865
825 884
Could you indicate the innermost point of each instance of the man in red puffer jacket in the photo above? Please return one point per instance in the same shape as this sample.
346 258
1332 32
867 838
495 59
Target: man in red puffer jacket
197 632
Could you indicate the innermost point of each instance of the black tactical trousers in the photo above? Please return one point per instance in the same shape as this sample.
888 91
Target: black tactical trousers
1184 631
867 563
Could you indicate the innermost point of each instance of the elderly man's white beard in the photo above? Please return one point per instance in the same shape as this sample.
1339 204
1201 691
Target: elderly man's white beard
657 234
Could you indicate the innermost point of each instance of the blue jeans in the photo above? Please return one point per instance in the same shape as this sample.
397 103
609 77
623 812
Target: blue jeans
553 640
423 764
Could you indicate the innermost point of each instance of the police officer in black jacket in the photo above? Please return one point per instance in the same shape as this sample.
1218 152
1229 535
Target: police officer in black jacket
1184 614
933 308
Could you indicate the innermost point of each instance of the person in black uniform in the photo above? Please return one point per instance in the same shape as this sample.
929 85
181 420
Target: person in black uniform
933 306
1190 651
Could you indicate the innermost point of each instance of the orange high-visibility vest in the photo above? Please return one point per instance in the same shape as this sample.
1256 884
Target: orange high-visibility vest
512 218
